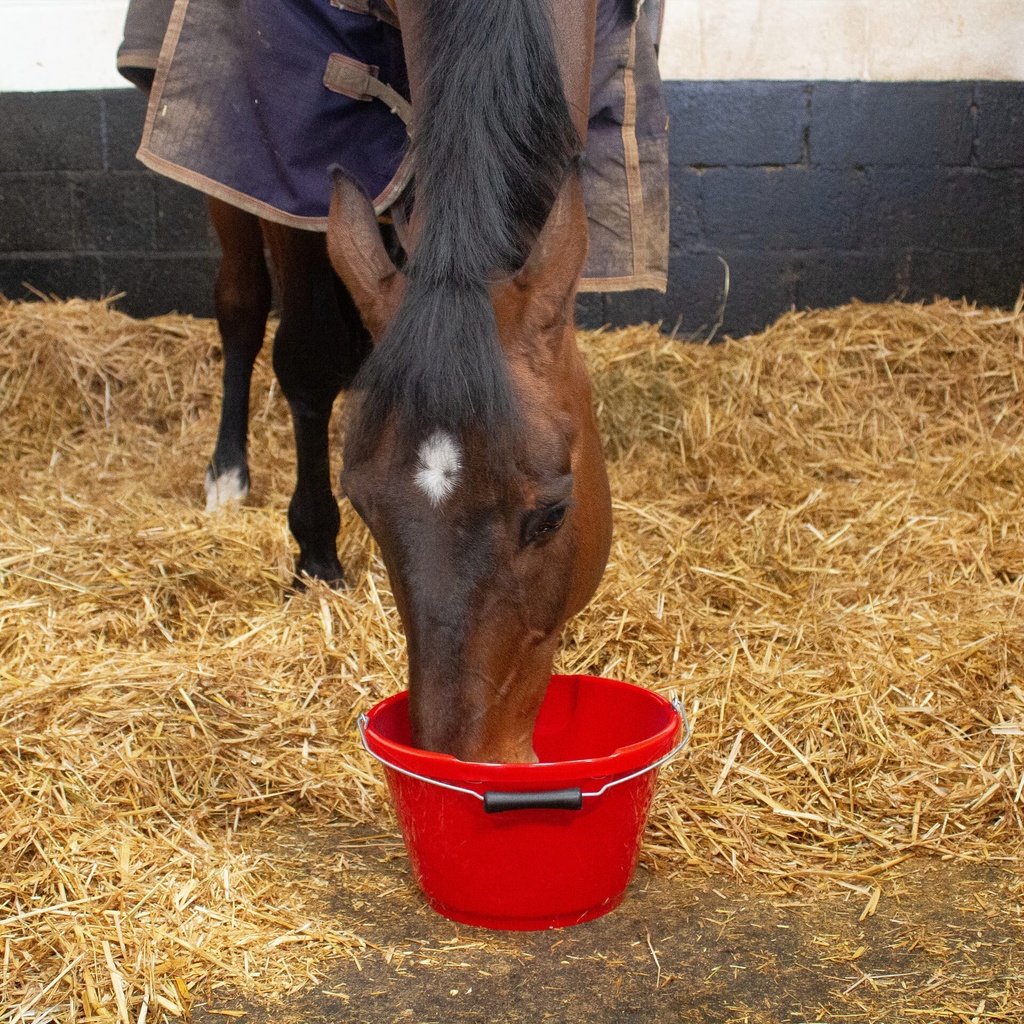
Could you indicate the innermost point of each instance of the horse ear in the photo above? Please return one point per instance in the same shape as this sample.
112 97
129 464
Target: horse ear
551 275
357 253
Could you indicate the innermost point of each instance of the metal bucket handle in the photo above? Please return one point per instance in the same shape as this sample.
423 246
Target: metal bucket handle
559 799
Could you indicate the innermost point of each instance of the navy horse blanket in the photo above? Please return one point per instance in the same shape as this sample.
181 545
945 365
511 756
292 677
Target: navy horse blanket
252 101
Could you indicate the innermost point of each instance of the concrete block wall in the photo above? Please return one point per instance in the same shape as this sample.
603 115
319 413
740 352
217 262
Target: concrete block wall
811 192
79 215
815 193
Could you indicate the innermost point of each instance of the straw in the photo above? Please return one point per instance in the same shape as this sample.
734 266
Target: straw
819 540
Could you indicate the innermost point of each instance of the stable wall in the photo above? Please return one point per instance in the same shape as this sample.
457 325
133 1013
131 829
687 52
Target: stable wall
823 149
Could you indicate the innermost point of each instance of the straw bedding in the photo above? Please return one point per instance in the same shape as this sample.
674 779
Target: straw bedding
820 541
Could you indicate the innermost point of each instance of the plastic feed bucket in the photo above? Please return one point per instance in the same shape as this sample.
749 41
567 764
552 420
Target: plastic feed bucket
529 846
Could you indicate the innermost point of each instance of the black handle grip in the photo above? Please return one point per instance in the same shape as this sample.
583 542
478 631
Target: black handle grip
557 799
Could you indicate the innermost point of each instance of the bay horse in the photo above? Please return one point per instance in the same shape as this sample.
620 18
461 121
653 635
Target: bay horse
472 450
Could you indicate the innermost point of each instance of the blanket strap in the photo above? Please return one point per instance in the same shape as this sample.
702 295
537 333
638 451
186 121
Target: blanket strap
351 78
379 9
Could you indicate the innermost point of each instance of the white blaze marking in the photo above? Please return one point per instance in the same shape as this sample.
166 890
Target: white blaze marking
438 470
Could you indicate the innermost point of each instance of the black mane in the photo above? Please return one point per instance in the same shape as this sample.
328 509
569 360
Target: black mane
494 141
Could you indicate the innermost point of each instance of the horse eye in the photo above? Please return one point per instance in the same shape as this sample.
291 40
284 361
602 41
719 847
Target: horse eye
543 521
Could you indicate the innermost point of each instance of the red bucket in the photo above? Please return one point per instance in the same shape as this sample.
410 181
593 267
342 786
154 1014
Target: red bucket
529 846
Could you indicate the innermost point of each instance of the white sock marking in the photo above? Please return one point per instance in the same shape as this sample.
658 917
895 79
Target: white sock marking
439 465
222 490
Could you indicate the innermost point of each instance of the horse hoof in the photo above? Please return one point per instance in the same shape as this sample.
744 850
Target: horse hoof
331 574
224 488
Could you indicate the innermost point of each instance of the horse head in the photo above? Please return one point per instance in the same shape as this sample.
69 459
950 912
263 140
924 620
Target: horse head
491 539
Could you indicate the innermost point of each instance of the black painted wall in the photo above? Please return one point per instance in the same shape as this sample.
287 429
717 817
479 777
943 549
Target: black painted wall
812 193
79 215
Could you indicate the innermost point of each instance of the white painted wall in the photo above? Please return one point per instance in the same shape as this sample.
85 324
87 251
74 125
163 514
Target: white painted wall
70 44
60 44
864 40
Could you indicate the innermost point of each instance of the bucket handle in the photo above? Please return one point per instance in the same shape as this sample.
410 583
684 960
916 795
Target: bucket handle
559 799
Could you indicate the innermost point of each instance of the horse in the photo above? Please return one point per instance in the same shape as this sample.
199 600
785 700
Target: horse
472 450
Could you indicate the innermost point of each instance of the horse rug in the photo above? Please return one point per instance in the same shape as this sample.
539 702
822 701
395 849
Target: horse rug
253 101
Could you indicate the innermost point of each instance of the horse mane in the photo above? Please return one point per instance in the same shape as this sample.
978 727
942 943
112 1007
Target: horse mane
494 141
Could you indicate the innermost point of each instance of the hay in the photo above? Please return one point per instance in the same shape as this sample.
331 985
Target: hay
819 539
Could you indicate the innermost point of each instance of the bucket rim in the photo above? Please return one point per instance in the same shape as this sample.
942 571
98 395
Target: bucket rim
446 768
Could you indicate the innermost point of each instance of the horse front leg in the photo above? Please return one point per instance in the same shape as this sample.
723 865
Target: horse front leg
317 351
242 298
